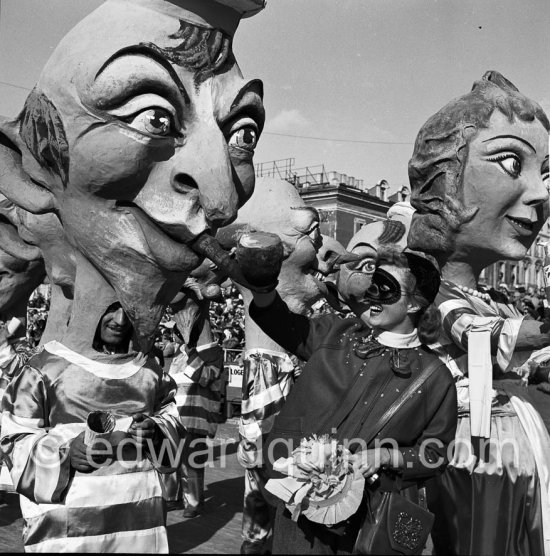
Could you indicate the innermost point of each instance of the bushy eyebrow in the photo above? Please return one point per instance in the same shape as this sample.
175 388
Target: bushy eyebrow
512 137
255 109
148 52
254 86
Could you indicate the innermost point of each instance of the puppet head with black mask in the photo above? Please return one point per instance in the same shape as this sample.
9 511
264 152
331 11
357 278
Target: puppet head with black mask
401 294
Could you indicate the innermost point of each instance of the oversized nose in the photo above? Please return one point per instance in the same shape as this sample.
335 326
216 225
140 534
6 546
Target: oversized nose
204 164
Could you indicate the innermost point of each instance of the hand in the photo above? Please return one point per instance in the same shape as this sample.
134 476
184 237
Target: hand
80 455
368 462
143 428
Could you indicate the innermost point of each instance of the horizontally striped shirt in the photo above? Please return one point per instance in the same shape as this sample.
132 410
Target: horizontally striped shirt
199 375
118 507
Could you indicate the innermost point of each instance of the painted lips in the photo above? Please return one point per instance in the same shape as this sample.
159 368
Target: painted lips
523 226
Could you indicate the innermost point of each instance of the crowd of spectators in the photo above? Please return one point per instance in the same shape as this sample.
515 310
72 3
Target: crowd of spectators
529 302
227 317
37 315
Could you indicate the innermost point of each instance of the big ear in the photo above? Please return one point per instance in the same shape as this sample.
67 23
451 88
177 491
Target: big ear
15 183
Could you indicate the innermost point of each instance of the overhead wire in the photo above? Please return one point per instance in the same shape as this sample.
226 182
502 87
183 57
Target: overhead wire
364 141
14 85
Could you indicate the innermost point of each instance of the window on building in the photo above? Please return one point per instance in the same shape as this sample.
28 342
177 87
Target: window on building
358 223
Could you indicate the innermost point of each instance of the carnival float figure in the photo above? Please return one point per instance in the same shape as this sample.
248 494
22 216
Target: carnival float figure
139 136
479 179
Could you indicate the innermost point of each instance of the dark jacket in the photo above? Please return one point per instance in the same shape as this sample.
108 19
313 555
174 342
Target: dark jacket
342 390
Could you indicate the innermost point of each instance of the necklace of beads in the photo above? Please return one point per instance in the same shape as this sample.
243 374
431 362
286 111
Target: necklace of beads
470 291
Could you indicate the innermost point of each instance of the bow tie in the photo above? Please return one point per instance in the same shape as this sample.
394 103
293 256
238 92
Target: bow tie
369 347
365 348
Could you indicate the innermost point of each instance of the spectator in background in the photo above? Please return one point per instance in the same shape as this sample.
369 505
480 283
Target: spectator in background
539 306
529 309
517 299
504 290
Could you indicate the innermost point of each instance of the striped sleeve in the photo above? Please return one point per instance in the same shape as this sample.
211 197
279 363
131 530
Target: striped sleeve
36 456
460 318
204 364
267 380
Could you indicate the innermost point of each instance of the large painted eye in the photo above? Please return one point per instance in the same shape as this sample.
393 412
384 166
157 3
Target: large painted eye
511 164
155 121
245 138
368 265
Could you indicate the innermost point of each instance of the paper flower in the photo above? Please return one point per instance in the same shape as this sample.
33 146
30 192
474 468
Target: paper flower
321 483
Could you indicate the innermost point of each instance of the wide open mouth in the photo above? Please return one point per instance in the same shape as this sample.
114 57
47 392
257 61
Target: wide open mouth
168 243
375 309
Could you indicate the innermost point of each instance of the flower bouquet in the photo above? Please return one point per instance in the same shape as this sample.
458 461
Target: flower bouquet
321 483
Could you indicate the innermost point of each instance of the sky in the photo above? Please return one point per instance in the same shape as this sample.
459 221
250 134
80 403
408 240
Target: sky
362 75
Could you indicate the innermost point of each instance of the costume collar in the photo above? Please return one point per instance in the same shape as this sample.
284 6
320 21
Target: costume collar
399 341
121 367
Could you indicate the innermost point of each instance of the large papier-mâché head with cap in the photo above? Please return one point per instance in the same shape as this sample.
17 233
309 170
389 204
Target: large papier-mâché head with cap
139 135
479 176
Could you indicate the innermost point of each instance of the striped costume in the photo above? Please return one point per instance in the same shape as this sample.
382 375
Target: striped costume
198 372
117 507
495 501
199 375
267 380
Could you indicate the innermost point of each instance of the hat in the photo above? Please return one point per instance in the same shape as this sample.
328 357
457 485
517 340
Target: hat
503 286
217 14
426 272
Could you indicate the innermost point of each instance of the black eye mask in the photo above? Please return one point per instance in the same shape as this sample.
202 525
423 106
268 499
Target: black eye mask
384 288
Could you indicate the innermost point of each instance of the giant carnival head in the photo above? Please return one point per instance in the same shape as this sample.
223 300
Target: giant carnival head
354 278
139 135
276 207
479 176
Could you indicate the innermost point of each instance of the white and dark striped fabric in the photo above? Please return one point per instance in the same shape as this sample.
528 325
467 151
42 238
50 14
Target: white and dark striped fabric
267 379
118 507
199 375
461 313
